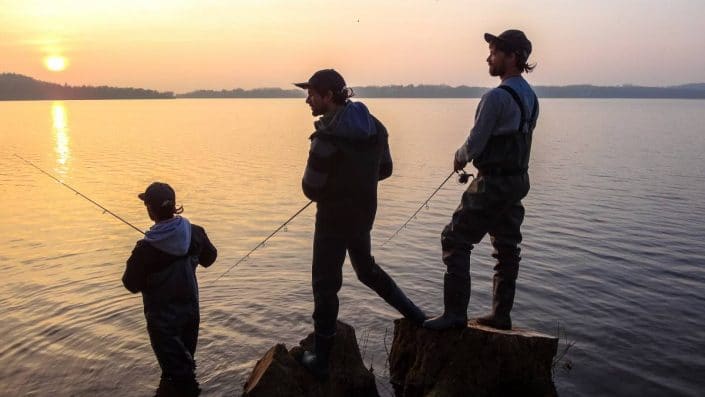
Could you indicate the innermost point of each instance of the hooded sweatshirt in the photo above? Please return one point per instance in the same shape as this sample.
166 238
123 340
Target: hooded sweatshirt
165 243
349 154
172 236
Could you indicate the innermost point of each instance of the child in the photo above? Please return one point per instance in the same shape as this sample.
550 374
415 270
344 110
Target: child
163 267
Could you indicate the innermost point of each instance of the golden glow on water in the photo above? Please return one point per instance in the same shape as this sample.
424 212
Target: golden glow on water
236 166
61 132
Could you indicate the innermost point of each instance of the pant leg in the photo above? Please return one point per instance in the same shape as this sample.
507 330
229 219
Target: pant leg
367 270
326 279
174 358
189 334
505 236
372 275
470 222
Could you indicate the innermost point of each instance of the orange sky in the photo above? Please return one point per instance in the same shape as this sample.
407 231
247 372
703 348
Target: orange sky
184 45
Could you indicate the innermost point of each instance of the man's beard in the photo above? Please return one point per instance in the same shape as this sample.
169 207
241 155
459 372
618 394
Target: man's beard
496 70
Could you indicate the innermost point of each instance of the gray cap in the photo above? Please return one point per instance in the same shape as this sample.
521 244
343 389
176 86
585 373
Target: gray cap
324 80
513 40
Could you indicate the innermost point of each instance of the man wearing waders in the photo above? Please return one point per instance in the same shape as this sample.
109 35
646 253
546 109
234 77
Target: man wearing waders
499 146
349 154
163 267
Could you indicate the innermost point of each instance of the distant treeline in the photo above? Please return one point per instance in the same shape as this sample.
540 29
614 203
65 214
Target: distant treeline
240 93
390 91
16 87
689 91
419 91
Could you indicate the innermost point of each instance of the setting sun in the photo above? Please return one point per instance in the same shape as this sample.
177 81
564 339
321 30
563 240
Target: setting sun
55 63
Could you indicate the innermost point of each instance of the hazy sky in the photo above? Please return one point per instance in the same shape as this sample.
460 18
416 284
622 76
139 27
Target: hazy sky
182 45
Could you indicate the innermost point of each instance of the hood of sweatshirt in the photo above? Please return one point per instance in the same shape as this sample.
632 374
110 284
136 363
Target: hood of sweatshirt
172 236
352 121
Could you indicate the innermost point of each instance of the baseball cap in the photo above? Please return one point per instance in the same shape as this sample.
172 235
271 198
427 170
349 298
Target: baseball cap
324 80
513 40
158 195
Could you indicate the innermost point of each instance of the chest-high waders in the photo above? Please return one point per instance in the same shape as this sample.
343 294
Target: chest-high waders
344 226
172 313
491 205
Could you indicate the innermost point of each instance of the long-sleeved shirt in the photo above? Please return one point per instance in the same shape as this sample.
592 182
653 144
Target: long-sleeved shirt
497 114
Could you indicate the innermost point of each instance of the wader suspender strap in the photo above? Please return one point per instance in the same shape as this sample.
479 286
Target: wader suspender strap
514 95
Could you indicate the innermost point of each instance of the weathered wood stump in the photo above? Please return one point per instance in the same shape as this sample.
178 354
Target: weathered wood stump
474 361
279 373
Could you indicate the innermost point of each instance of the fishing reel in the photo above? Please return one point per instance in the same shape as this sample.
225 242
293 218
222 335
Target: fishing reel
463 177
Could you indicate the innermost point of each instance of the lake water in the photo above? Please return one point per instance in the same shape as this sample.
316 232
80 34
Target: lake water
613 251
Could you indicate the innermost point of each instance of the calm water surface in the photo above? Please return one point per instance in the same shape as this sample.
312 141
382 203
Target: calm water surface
613 251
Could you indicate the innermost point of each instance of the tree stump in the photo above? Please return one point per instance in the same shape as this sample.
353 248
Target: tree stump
279 373
473 361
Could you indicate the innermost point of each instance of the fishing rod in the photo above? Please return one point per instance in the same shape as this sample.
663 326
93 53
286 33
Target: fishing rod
264 241
462 178
105 210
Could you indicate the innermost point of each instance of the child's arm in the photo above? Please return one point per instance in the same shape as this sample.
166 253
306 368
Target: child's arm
135 276
207 253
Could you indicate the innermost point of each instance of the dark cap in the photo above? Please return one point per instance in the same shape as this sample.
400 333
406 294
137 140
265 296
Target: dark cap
324 80
158 195
513 40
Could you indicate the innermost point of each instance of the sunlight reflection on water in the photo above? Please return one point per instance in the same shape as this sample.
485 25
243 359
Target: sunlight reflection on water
613 236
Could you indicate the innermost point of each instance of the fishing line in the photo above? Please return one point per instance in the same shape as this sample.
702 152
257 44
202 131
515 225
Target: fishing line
264 241
105 210
463 177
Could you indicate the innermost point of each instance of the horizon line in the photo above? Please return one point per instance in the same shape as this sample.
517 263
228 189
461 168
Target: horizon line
622 85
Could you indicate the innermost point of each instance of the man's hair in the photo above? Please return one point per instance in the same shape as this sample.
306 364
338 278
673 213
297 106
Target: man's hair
521 60
340 97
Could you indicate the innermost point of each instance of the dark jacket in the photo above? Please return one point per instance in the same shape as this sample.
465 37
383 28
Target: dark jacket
162 267
349 154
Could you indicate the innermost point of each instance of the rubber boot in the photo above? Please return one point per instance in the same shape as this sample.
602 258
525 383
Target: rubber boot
380 282
169 387
502 302
398 300
166 388
456 295
316 362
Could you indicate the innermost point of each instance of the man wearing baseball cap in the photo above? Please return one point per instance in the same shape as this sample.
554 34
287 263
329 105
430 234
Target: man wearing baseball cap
498 145
349 155
163 267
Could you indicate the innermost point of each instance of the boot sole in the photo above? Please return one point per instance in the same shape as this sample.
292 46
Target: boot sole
458 325
495 326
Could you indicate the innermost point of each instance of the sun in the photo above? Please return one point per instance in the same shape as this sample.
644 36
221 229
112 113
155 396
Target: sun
55 63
